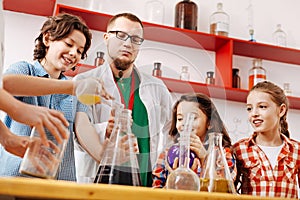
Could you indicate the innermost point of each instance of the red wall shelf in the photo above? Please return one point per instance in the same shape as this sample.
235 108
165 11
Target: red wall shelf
231 94
178 86
224 48
34 7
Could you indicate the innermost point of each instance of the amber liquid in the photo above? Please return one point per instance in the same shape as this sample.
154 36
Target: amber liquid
186 15
89 99
213 30
254 79
217 185
236 81
35 175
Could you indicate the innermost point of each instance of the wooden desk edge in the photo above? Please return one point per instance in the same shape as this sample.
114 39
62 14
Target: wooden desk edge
53 189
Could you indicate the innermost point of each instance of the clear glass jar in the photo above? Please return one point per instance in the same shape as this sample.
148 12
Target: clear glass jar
236 80
219 22
186 15
157 70
154 10
185 75
257 73
279 36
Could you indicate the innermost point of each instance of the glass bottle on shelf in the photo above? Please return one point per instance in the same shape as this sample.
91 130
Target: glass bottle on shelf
210 78
99 60
216 176
186 15
157 70
183 178
279 36
119 165
251 33
257 73
219 22
236 80
185 75
154 11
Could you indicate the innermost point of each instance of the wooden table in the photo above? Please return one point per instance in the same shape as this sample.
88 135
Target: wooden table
27 188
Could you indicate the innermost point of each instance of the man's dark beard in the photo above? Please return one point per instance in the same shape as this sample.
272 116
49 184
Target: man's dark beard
122 65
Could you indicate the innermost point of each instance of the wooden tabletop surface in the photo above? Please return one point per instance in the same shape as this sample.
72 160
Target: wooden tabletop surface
29 188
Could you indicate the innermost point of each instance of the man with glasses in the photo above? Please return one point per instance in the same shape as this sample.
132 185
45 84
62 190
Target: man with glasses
147 97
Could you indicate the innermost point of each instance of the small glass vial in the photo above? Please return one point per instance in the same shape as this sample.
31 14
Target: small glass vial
251 33
210 78
157 69
219 22
186 15
279 36
257 73
286 89
236 80
185 75
99 60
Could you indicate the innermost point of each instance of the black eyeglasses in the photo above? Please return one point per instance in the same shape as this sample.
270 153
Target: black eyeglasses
124 36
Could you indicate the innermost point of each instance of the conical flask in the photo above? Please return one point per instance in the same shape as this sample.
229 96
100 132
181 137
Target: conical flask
119 165
216 176
183 178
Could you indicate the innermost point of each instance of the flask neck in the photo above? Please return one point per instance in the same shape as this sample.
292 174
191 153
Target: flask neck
215 140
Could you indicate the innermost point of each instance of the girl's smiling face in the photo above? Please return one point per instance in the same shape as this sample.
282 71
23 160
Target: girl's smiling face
263 114
200 123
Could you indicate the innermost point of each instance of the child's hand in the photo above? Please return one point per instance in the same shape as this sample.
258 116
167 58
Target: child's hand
110 126
196 165
175 165
197 146
16 145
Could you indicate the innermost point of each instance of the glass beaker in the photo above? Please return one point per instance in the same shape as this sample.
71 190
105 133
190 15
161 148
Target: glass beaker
183 178
216 176
119 165
42 161
88 91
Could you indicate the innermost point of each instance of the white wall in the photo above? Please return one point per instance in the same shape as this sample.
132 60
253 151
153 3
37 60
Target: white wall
21 30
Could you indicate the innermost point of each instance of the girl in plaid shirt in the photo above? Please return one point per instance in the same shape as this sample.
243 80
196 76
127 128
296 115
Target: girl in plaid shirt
207 121
268 162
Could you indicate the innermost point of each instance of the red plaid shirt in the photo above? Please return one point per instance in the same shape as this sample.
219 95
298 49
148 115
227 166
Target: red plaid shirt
255 172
